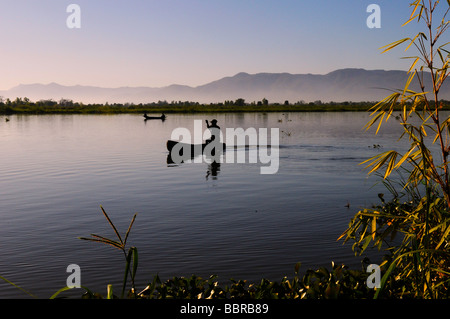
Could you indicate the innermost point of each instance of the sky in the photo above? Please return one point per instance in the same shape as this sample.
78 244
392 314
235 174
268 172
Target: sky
156 43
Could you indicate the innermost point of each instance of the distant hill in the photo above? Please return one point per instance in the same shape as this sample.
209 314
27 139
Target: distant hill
341 85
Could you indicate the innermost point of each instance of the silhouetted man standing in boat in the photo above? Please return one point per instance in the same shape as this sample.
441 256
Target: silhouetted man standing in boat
213 146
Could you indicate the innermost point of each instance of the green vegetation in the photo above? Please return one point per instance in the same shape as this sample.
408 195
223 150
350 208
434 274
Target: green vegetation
418 264
320 284
340 282
25 106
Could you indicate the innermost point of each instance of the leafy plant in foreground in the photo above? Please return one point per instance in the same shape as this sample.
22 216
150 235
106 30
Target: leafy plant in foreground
131 257
419 266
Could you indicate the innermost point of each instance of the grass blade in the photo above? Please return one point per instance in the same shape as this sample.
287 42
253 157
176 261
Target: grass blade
100 239
132 256
18 287
67 288
112 225
129 229
109 292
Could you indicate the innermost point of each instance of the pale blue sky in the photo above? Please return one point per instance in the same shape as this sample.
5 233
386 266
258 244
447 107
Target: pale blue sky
192 42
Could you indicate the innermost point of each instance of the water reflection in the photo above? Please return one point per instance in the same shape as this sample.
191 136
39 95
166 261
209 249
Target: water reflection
194 156
178 156
213 170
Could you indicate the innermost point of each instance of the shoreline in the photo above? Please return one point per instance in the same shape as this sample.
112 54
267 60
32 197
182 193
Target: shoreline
50 107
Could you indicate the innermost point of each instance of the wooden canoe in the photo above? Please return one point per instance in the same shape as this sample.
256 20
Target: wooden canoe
195 150
171 144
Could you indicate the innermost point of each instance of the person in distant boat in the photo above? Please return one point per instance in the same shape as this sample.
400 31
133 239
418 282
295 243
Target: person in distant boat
214 129
163 116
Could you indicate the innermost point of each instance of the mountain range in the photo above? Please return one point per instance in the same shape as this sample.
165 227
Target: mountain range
341 85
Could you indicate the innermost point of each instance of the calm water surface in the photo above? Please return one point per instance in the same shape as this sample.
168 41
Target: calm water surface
56 171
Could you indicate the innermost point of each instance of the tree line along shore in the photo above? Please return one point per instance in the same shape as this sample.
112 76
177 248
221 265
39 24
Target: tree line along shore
65 106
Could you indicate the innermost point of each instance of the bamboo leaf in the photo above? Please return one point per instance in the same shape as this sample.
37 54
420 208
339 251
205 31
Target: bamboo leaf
379 124
416 4
393 45
444 237
391 164
373 121
413 64
408 82
404 157
444 45
346 232
374 227
411 19
440 55
412 41
367 241
423 36
379 160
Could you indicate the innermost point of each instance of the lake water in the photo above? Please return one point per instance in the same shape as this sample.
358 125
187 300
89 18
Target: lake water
56 171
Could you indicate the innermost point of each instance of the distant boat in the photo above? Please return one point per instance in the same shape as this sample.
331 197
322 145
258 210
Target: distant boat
162 117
